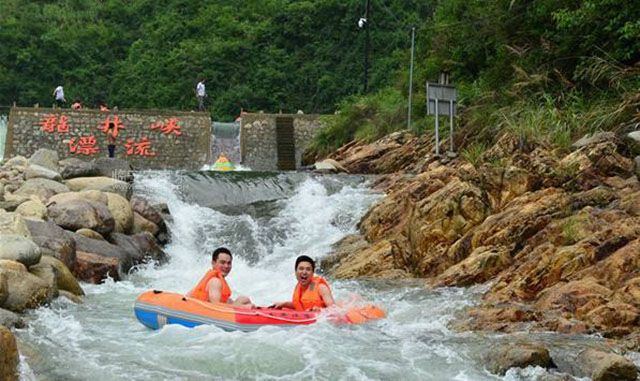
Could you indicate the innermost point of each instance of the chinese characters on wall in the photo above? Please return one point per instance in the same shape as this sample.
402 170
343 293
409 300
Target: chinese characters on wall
115 133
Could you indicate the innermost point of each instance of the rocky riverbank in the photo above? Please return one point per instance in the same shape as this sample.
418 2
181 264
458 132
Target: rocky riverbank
64 221
555 234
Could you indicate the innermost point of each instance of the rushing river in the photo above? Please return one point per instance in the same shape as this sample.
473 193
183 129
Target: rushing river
266 220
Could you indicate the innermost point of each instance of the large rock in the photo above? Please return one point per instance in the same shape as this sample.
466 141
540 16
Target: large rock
32 209
41 188
96 258
603 366
48 274
53 241
518 355
482 265
36 171
330 165
141 247
26 291
105 184
88 195
376 260
74 167
141 224
121 211
90 234
78 214
4 289
9 357
115 168
16 161
46 158
12 223
146 210
20 249
10 319
64 278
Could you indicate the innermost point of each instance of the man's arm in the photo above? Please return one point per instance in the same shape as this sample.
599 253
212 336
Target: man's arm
325 293
214 287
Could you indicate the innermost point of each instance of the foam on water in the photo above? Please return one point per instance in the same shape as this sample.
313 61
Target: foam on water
101 339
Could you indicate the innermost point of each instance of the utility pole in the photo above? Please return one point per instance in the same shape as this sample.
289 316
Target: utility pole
413 38
367 17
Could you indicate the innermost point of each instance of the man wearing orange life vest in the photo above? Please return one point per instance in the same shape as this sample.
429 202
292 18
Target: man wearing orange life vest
213 287
312 292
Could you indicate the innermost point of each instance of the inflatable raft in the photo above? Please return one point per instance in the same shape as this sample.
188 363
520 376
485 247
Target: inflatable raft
223 164
157 308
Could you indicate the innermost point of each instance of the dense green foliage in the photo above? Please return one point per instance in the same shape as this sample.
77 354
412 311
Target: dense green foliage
266 55
546 67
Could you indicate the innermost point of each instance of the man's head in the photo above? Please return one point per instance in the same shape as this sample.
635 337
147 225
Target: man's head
221 260
305 266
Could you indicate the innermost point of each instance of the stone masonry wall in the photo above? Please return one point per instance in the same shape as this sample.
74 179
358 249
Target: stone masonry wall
148 139
258 138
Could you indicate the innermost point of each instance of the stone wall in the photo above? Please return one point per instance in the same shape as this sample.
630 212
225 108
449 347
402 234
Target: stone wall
148 139
258 146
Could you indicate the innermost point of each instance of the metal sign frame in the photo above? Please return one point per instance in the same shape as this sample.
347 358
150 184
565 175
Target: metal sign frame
436 94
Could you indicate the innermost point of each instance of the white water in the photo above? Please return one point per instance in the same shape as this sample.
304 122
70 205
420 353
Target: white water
102 340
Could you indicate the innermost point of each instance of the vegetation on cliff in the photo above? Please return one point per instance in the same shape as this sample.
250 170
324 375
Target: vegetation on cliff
547 71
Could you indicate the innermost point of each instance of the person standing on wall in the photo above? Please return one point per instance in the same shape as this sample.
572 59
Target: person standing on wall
201 94
58 93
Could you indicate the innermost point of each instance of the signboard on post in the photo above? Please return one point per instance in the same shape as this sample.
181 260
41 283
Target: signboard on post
441 100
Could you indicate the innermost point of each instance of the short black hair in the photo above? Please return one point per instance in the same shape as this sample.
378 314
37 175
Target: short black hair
304 258
218 251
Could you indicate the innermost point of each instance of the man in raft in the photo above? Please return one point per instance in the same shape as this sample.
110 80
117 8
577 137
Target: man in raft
213 287
312 292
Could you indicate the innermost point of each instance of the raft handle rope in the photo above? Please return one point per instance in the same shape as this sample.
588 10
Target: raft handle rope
252 313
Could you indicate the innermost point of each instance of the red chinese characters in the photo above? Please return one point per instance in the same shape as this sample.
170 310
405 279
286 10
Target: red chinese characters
112 128
51 124
85 145
170 126
141 148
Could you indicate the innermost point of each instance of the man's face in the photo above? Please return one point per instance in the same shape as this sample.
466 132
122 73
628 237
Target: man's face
304 272
223 264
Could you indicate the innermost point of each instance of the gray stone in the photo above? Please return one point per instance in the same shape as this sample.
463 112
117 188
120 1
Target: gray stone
20 249
11 319
78 214
32 209
26 291
603 366
114 168
48 274
12 223
1 192
46 158
121 212
99 253
43 188
141 247
598 137
20 161
518 355
12 205
53 241
36 171
74 167
105 184
64 278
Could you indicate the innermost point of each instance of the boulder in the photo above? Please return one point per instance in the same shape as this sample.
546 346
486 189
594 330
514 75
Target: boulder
36 171
74 167
4 289
105 184
96 268
121 211
26 291
11 320
598 137
8 264
13 204
46 158
53 241
88 195
1 192
48 274
32 209
141 247
13 224
146 210
636 166
604 366
632 139
141 224
90 233
9 357
482 265
20 249
518 355
115 168
64 278
330 165
579 297
78 214
41 188
16 161
377 260
70 296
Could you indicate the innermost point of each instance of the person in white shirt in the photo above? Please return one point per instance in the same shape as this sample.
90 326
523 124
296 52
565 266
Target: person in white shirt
58 93
201 94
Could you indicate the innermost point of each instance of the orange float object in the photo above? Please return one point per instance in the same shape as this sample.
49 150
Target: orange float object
156 308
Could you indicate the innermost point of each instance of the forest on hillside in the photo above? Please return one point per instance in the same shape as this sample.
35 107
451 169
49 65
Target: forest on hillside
284 55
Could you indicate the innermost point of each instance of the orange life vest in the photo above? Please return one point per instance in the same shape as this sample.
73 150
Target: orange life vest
304 301
200 291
